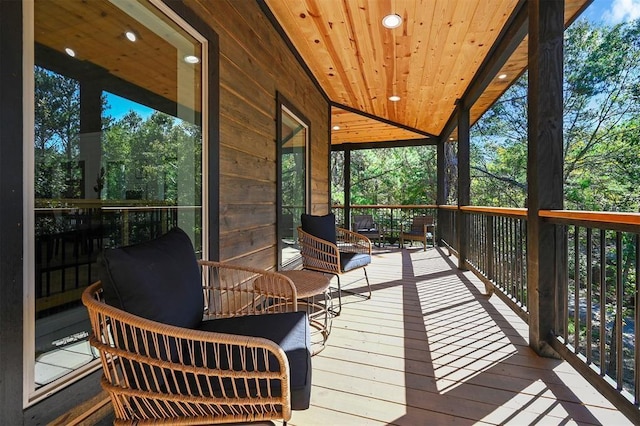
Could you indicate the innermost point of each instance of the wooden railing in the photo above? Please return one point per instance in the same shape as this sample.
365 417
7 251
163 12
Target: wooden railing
597 288
597 321
597 273
388 218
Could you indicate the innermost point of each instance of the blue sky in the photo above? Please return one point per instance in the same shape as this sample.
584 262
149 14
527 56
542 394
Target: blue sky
120 106
612 12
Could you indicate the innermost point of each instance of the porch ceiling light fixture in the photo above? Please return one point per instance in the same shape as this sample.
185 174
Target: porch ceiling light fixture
131 36
336 127
70 51
502 76
191 59
394 98
392 21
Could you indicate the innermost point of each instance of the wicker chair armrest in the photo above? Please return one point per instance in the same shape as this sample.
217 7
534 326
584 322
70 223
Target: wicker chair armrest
140 357
318 254
92 299
352 242
233 290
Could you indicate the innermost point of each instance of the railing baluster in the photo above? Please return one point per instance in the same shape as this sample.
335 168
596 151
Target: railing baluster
636 328
490 249
564 263
500 252
589 342
619 300
603 301
576 289
523 262
512 253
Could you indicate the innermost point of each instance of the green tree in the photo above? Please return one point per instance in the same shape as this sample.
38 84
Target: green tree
142 158
56 135
601 110
387 176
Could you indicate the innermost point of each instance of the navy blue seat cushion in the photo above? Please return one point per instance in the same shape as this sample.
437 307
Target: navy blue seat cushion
323 227
349 261
288 330
157 279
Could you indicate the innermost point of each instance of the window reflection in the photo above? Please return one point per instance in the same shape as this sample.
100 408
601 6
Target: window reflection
293 184
117 154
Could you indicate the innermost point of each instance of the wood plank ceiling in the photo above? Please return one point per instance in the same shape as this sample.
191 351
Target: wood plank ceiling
429 61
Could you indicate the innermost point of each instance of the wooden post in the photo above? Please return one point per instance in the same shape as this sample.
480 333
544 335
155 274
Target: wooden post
440 197
544 168
347 189
90 138
464 182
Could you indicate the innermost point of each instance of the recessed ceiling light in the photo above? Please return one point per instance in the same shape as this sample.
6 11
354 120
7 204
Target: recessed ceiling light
451 138
131 36
392 21
70 51
502 76
190 59
394 98
336 127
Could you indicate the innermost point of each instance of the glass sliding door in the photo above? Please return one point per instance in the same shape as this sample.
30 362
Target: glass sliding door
117 152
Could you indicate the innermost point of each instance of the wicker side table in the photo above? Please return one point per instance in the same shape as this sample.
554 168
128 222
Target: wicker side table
309 285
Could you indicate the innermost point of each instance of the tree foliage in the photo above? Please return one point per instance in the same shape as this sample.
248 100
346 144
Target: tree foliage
387 176
56 134
601 117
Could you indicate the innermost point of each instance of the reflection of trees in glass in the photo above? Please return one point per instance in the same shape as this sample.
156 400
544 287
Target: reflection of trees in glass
56 135
293 179
142 158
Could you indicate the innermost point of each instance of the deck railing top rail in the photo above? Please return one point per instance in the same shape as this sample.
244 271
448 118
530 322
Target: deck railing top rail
387 206
623 218
502 211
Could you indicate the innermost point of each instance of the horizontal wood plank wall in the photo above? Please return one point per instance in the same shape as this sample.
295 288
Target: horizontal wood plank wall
254 64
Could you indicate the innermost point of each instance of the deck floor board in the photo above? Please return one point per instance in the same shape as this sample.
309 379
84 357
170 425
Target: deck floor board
430 348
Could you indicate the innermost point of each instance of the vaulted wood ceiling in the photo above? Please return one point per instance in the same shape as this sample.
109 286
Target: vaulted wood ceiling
429 61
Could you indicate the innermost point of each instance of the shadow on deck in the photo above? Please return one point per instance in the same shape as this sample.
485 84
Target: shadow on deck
430 348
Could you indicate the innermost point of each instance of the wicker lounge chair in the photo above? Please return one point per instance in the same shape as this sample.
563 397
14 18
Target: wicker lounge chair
241 353
333 250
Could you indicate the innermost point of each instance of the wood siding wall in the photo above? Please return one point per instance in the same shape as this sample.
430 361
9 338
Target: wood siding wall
255 63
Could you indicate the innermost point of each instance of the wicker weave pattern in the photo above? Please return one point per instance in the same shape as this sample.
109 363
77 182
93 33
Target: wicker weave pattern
323 256
156 373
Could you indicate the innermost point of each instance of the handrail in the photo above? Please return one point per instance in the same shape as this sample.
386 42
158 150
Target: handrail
622 218
387 206
503 211
448 207
625 218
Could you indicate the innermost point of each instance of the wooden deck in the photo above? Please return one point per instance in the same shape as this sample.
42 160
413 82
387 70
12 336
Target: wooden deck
429 348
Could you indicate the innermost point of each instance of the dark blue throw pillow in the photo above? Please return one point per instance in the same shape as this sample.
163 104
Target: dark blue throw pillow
323 227
158 280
